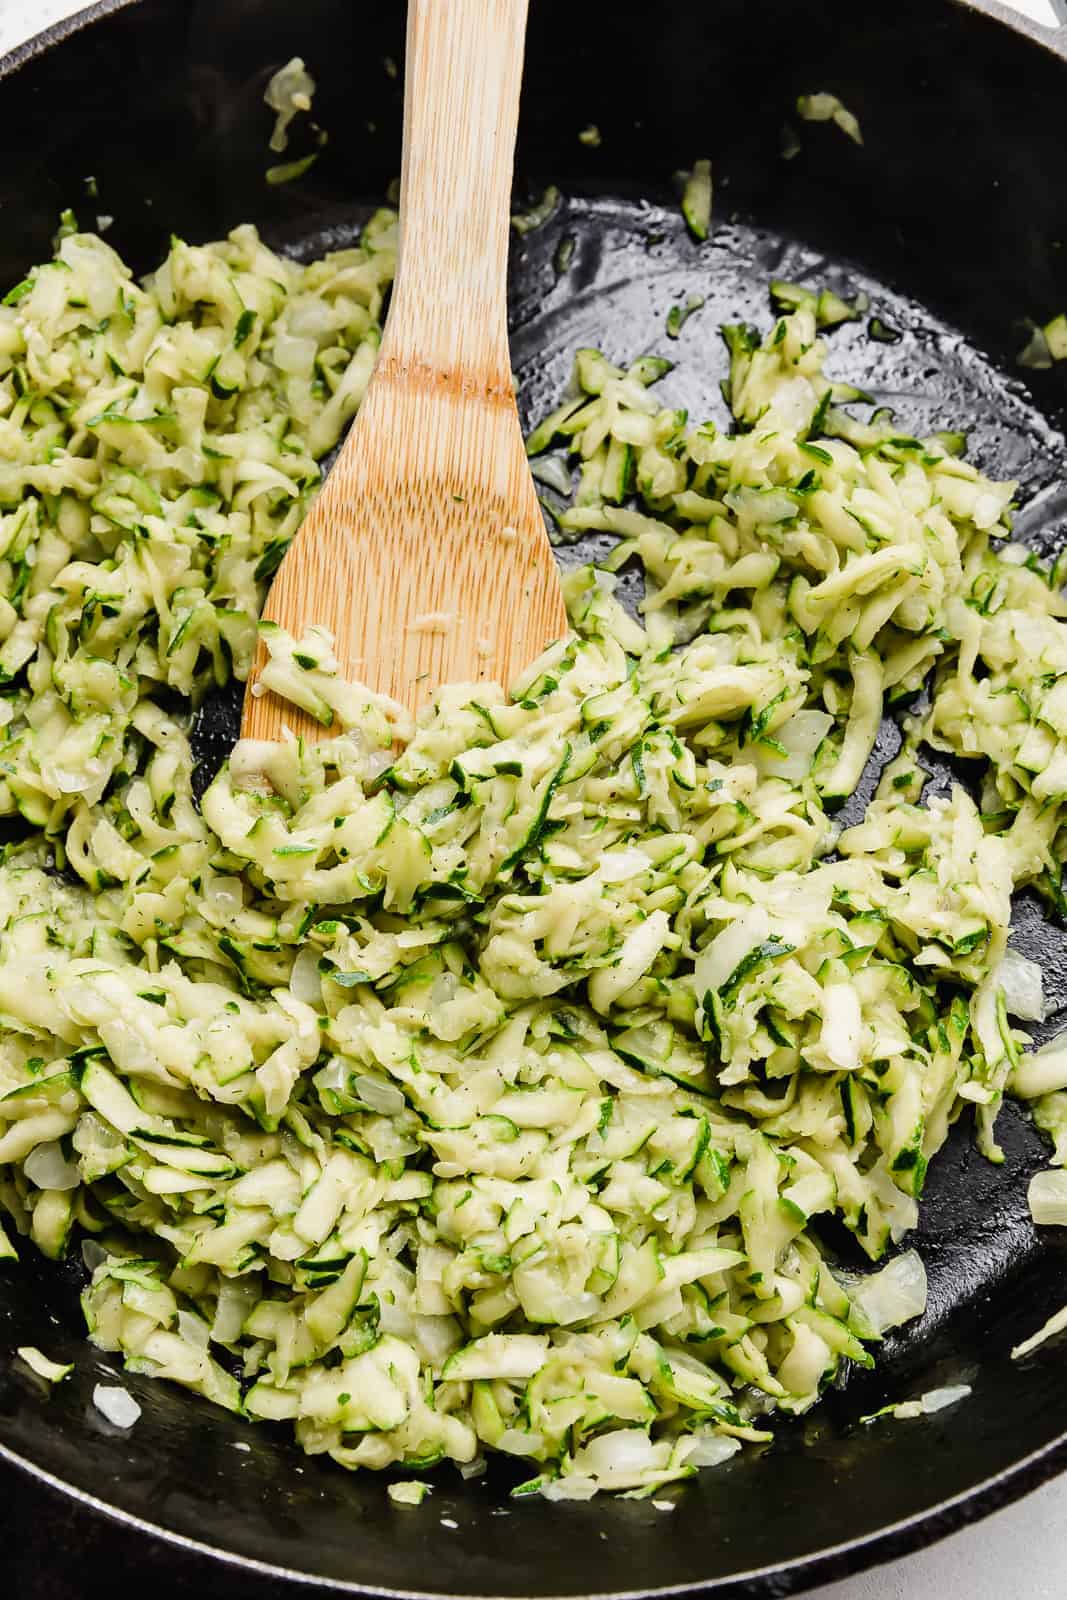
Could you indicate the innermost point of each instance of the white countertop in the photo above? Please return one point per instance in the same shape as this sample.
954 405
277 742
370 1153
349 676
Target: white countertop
1020 1553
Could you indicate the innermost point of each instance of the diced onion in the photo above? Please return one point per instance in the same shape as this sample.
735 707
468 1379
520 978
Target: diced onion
1047 1198
552 471
193 1329
117 1405
48 1168
619 1454
444 989
937 1399
575 1486
894 1295
294 356
382 1097
93 1254
1035 354
516 1442
305 980
412 1493
225 894
334 1075
710 1449
1021 980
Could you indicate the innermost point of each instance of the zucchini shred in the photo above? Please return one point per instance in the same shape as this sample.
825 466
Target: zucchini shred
486 1096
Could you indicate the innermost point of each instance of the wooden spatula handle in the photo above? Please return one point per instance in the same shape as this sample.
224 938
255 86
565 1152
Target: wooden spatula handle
463 75
425 554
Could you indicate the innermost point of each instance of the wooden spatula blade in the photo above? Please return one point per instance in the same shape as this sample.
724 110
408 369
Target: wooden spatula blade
428 559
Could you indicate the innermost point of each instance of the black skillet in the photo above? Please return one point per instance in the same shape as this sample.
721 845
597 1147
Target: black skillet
953 218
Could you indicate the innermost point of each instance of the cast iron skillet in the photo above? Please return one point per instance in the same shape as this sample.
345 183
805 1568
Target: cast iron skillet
953 216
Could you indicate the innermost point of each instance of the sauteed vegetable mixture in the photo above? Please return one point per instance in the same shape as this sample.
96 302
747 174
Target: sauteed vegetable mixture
481 1083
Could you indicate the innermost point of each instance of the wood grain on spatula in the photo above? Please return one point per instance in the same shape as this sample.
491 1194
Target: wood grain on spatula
425 553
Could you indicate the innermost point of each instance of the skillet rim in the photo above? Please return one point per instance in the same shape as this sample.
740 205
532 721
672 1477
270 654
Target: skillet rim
905 1537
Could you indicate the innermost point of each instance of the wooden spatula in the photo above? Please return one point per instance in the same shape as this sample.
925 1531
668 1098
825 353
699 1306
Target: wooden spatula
425 553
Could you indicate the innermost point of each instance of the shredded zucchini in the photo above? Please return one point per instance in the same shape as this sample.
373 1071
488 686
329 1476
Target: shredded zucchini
288 94
289 171
828 108
697 198
1046 345
51 1371
528 221
486 1096
410 1493
678 316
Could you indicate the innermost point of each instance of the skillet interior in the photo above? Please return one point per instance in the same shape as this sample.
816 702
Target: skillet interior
952 217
